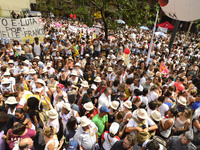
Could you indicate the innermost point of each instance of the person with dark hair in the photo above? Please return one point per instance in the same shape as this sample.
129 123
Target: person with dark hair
148 84
151 145
143 97
21 117
126 144
18 132
166 124
105 98
26 144
162 106
152 106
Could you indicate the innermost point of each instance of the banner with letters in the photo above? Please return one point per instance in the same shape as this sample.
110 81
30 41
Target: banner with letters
21 29
76 29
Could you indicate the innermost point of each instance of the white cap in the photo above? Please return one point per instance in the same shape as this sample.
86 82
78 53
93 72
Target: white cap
37 57
84 84
5 81
78 65
7 73
87 55
26 62
10 62
48 64
74 73
114 128
110 69
40 81
22 52
32 71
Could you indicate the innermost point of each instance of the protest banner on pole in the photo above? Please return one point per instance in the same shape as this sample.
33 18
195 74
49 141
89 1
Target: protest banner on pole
151 44
22 29
163 68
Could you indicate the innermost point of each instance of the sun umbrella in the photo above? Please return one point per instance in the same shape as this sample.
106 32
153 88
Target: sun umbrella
144 28
57 24
121 21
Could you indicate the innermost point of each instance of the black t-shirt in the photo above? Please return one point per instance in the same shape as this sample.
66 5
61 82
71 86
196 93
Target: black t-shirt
118 146
85 99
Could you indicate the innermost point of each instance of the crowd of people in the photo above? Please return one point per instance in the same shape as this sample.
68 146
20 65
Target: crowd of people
80 91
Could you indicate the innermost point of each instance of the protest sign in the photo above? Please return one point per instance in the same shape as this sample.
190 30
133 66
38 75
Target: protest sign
76 29
22 29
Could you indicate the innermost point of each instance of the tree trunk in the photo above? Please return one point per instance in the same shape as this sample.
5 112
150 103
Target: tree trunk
105 25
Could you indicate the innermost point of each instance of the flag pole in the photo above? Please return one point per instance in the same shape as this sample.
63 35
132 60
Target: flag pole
150 48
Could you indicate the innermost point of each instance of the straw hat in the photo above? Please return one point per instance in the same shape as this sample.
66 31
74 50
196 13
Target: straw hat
88 106
114 105
182 100
150 74
11 100
84 84
44 70
22 52
67 106
110 69
26 62
32 71
7 73
40 81
77 65
74 73
128 104
114 128
5 81
85 121
52 114
97 79
156 115
10 62
142 113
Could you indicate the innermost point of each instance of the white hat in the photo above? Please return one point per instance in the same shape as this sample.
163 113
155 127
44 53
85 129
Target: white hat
114 105
108 57
37 90
183 65
60 58
32 71
48 64
93 86
97 79
114 57
142 113
85 121
70 58
52 114
74 73
111 51
128 104
26 62
11 100
44 70
47 57
7 73
5 81
22 52
87 55
96 58
88 106
78 65
150 74
110 69
114 128
37 57
40 81
156 115
10 62
67 106
84 84
182 100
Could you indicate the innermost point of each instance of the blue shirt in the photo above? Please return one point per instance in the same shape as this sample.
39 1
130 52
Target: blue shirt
196 105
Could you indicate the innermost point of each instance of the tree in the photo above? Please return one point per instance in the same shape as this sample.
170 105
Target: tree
133 12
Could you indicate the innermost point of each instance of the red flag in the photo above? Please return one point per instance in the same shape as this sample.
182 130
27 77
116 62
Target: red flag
74 16
71 15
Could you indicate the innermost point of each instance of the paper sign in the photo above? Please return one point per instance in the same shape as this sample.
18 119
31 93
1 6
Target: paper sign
22 29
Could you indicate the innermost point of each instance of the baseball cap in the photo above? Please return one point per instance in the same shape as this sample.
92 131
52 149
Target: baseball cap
104 109
73 144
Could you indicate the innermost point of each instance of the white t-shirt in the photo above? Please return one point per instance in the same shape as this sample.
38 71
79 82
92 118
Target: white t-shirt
108 140
163 108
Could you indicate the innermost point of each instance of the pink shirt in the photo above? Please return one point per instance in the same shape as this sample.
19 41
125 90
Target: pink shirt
15 139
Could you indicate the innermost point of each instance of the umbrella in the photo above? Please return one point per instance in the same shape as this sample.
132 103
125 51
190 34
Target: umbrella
144 28
121 21
160 34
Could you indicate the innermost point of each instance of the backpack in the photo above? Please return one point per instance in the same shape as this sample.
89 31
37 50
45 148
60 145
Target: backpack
159 140
43 117
141 137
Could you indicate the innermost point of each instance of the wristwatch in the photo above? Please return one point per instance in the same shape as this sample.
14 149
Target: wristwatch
149 128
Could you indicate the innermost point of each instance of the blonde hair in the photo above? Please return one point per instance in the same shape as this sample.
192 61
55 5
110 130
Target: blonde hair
48 131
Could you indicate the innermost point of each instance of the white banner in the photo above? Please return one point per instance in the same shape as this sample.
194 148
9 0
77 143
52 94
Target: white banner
84 29
161 29
22 29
